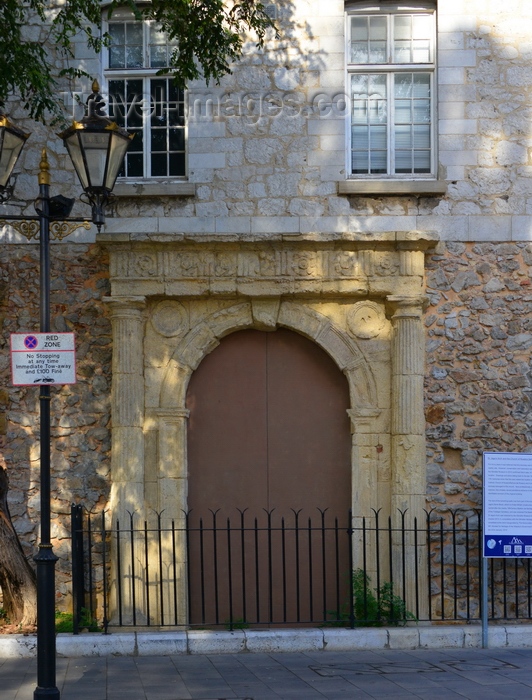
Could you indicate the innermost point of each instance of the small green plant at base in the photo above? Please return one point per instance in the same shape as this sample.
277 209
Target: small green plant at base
64 622
373 607
4 620
238 624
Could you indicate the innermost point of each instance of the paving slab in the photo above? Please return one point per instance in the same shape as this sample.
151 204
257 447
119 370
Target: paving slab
427 674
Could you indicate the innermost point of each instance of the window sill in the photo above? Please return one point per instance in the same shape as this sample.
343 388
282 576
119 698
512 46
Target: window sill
383 187
147 188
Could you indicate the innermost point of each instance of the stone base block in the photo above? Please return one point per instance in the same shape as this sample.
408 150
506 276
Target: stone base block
441 637
271 641
161 643
347 639
96 644
403 638
205 642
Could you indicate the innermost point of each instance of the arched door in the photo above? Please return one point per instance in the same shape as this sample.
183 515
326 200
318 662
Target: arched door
269 481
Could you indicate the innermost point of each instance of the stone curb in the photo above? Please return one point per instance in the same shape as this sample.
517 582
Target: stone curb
269 641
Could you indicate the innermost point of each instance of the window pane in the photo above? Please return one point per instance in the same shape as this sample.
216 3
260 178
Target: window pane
159 166
359 40
377 29
422 111
403 112
378 162
377 137
377 52
403 27
368 39
117 57
134 165
360 137
135 103
117 101
359 52
359 28
158 92
117 32
137 143
403 137
157 36
360 112
422 161
158 140
421 85
177 139
412 38
177 164
421 52
134 33
403 163
403 85
421 137
134 57
359 86
421 26
360 163
158 56
377 99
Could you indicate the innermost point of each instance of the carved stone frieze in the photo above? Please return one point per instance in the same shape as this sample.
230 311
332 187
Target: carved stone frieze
259 269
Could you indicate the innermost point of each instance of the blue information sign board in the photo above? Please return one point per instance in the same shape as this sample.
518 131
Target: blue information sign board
507 504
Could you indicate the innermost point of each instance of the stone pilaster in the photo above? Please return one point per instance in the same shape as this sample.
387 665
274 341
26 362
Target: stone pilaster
408 453
408 420
127 401
172 472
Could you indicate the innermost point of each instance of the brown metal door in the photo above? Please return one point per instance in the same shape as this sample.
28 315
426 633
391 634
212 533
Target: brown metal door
268 450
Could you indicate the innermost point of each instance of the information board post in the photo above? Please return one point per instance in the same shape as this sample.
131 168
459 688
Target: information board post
507 514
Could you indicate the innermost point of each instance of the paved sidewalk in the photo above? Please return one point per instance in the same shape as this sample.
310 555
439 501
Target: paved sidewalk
448 673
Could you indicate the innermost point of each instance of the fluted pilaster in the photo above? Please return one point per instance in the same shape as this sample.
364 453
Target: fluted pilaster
127 404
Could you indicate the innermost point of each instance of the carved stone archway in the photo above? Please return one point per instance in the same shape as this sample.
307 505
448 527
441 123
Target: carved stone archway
361 301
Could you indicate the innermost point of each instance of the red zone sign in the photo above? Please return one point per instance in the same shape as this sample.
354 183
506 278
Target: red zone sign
43 358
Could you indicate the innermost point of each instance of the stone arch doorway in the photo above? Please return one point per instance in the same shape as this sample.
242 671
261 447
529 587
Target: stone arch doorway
268 443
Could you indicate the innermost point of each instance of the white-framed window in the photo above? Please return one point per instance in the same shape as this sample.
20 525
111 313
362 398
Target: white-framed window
391 56
148 105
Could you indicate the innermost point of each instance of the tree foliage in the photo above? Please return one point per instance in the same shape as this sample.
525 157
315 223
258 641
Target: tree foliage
36 39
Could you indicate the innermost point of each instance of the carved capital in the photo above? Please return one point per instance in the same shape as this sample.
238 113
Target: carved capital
406 306
125 307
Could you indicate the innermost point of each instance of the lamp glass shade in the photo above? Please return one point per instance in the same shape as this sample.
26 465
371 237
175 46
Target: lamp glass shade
95 147
117 152
97 155
76 156
11 142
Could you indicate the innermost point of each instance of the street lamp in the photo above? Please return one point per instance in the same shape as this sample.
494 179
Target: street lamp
97 147
12 140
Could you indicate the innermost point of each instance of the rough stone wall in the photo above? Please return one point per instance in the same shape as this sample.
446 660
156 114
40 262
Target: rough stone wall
478 384
80 413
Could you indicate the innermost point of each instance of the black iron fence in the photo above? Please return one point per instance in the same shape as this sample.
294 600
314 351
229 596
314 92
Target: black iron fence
291 570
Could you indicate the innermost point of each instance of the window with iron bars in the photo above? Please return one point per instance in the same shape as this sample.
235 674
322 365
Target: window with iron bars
146 104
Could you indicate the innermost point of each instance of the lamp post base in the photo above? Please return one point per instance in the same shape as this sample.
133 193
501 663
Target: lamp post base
46 651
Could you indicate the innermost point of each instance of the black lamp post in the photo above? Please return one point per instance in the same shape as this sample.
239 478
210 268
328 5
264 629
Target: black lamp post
97 147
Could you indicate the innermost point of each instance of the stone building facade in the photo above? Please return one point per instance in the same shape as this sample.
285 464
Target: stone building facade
416 285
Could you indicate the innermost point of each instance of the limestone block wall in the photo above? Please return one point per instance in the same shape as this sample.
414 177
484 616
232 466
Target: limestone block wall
267 148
